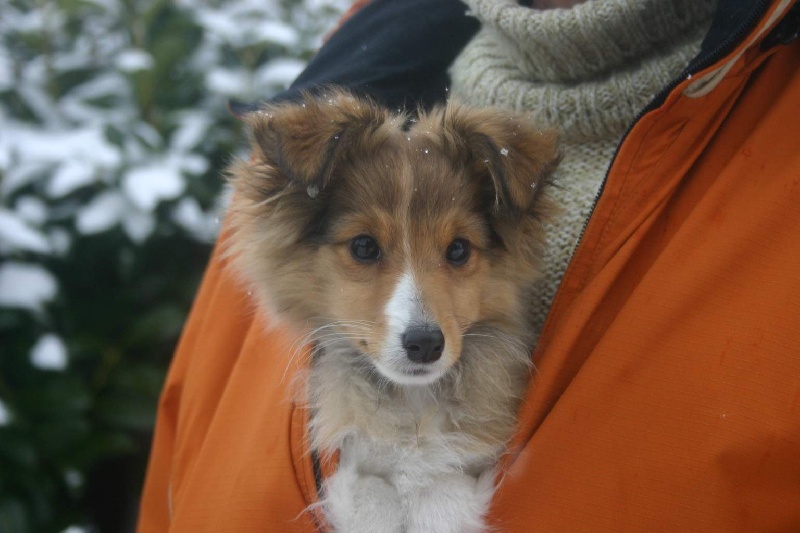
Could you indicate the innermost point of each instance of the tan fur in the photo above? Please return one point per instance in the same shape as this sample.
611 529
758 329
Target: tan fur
335 167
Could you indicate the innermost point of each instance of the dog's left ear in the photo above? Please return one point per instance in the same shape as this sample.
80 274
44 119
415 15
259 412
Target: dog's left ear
517 156
304 141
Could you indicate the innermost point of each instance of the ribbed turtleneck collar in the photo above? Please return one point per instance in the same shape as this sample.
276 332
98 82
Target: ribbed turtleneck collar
592 38
587 70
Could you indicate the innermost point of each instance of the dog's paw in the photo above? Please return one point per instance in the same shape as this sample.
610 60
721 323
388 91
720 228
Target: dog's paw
362 503
453 503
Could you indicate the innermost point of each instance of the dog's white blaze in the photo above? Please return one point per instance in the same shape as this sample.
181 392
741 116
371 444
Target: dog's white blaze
404 304
404 309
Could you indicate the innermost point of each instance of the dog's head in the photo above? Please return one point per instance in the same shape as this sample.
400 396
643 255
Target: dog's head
397 235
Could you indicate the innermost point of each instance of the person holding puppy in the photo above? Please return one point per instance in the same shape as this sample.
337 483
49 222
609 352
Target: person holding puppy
667 391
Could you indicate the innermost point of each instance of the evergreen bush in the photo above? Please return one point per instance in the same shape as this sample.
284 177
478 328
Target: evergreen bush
113 132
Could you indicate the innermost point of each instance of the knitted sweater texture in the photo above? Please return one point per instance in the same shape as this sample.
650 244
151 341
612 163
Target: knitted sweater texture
586 71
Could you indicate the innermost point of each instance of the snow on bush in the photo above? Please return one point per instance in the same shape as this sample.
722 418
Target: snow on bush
86 146
114 132
5 416
25 286
49 353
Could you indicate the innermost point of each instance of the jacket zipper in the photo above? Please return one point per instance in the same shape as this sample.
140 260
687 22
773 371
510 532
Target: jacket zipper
696 65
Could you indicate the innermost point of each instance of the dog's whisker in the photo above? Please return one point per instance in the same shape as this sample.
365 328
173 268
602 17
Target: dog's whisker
508 339
335 334
334 320
344 323
341 331
298 346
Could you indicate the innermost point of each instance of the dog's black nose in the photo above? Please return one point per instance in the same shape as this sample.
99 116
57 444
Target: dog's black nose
423 345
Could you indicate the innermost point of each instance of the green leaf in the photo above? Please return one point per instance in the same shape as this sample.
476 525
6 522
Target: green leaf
56 436
138 379
78 7
98 446
60 395
164 322
127 412
17 448
13 518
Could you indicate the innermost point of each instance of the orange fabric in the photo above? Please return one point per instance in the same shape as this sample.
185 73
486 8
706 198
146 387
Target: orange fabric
668 392
352 10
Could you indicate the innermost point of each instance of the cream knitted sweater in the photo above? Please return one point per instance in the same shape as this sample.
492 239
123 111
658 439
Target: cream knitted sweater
586 71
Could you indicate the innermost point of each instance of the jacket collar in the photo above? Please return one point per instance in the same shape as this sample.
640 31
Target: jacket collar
341 60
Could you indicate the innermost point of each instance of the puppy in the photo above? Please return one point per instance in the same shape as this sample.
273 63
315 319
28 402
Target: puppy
403 248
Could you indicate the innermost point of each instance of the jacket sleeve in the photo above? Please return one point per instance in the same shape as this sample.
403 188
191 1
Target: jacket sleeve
396 52
217 319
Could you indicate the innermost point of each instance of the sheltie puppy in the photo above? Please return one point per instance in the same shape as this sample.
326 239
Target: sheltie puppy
404 248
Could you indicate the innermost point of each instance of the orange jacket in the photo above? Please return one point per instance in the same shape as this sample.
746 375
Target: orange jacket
668 391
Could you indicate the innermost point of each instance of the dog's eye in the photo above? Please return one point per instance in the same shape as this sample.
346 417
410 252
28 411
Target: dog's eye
365 249
458 252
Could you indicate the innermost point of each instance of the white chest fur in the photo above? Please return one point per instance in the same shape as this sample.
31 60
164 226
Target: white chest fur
414 459
380 487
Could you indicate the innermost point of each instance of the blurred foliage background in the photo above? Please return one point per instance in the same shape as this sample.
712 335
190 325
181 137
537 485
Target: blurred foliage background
113 132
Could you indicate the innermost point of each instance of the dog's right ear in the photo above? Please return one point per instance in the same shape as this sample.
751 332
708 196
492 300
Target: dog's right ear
305 141
508 151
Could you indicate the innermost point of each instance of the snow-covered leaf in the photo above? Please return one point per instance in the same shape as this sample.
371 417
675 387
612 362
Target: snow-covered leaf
104 212
133 60
148 133
17 235
280 72
6 73
191 131
111 83
191 164
31 210
49 353
148 185
5 415
56 146
19 175
60 240
227 81
190 216
26 286
138 225
69 177
277 32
